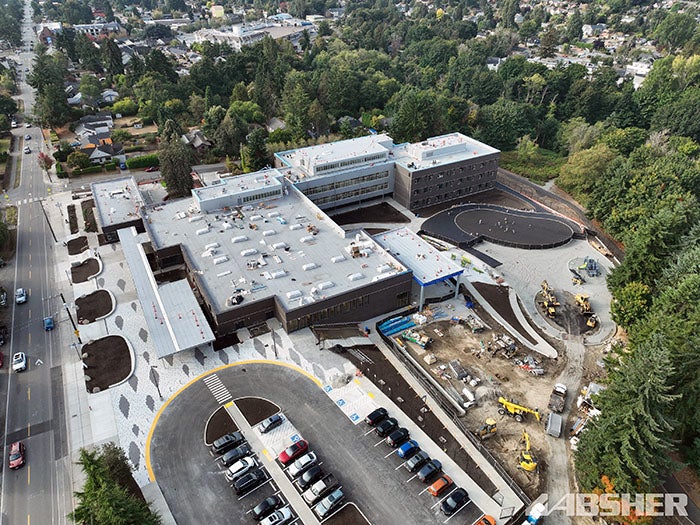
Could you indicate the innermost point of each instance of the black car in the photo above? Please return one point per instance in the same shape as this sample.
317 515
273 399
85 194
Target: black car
271 422
3 334
237 453
249 481
266 506
227 442
417 461
455 501
376 416
429 470
310 477
386 427
397 437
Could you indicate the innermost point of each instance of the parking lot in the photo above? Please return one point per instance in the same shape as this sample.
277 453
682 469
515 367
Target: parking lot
363 464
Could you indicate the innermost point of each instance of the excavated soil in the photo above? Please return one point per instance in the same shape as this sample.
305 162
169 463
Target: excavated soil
84 272
108 362
93 306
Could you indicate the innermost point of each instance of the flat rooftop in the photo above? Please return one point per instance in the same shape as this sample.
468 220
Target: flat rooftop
307 160
285 247
117 200
445 149
238 184
428 264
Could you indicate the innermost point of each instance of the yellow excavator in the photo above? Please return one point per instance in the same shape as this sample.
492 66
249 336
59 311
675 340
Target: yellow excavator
527 460
583 303
487 430
516 411
549 300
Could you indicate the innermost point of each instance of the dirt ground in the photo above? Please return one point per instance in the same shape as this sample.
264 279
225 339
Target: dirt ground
108 362
497 297
92 306
255 409
76 246
218 425
497 197
89 268
382 212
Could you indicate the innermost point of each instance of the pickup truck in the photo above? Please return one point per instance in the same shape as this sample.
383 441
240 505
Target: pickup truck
557 399
319 489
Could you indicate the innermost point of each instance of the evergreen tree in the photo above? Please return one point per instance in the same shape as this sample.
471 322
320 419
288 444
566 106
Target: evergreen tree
175 161
255 154
574 27
112 57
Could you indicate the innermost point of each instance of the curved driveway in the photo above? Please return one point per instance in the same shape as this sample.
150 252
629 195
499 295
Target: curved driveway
196 490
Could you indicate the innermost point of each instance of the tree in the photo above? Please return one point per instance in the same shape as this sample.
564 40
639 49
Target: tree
508 9
88 53
548 42
676 29
631 304
255 155
125 107
121 135
629 441
574 27
583 169
78 159
502 123
90 88
112 57
175 162
527 149
45 161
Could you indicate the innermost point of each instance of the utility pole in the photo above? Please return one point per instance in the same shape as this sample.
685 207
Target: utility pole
41 203
70 316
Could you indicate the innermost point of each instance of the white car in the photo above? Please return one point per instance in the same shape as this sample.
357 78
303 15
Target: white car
21 296
302 464
240 467
19 362
27 149
279 517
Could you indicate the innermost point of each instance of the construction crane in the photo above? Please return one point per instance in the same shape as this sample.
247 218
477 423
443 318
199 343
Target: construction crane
527 460
487 430
514 410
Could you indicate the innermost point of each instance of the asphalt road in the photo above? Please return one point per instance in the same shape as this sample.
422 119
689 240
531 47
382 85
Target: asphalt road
196 491
34 397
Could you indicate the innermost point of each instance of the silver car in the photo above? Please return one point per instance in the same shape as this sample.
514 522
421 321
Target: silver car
19 362
21 296
302 464
240 467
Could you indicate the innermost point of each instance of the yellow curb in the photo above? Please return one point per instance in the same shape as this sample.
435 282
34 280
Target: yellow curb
149 467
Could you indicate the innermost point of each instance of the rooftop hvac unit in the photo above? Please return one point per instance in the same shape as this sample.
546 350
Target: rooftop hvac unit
325 285
273 214
208 253
227 225
239 238
279 246
211 245
294 294
337 259
249 251
309 266
296 227
277 274
356 276
195 218
267 233
256 217
366 252
307 239
384 268
202 231
221 259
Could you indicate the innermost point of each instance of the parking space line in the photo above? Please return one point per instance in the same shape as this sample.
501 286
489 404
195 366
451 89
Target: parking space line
460 510
368 432
412 477
392 453
443 499
377 444
424 490
401 465
255 489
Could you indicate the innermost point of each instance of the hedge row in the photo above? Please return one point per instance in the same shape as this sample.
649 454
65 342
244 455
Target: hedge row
60 172
89 169
143 161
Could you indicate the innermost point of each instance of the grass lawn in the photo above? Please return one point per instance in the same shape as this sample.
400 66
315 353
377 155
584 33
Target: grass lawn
542 167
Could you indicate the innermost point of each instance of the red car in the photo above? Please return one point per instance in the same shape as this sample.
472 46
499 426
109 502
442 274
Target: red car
151 169
16 455
293 451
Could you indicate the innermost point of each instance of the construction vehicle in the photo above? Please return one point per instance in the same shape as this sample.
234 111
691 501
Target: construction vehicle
583 303
549 300
487 430
557 399
515 410
417 337
590 265
527 460
591 319
576 278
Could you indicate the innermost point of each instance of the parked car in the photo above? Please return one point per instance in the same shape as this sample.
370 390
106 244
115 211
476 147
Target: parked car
16 457
417 461
270 423
266 507
151 169
48 323
329 503
122 166
429 470
27 137
241 467
227 442
440 485
249 481
397 437
75 144
27 124
310 477
293 451
386 427
21 296
3 337
407 450
376 416
455 501
27 149
279 517
19 362
233 455
486 520
302 464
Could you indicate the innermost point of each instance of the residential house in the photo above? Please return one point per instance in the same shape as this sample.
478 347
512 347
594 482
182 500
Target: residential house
102 150
197 140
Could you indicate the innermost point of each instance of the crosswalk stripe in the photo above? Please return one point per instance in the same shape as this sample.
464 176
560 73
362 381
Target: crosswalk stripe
217 388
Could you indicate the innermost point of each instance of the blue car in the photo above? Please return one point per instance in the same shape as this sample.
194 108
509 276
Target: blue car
409 448
48 323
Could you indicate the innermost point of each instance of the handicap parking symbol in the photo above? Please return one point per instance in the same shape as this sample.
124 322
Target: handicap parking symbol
295 438
354 417
340 402
327 388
